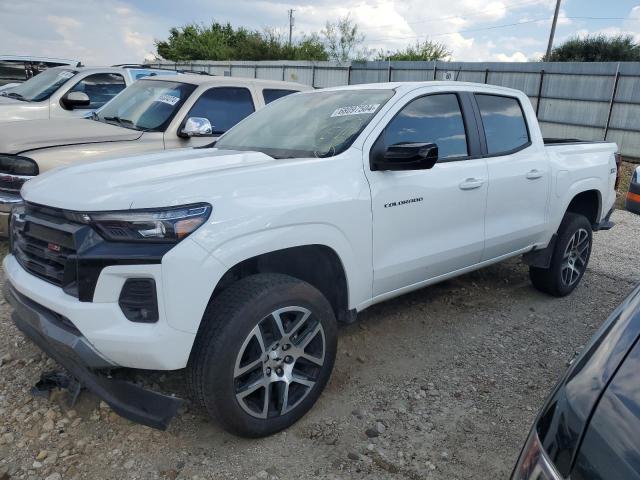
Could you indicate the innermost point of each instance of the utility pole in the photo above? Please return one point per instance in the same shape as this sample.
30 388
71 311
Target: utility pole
291 23
553 30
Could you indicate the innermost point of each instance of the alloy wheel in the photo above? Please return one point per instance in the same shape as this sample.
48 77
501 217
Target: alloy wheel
576 254
279 362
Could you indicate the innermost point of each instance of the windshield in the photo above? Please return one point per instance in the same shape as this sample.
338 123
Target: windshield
41 86
320 124
147 105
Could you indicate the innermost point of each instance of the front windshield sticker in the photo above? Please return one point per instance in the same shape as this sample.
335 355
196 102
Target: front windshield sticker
355 110
169 99
65 74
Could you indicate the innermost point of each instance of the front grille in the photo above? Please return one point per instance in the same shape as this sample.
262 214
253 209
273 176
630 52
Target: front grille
12 183
42 244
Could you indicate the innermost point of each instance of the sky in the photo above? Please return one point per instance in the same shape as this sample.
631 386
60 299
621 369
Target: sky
105 32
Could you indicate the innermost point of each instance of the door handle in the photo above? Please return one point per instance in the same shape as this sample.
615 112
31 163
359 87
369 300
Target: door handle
471 183
534 174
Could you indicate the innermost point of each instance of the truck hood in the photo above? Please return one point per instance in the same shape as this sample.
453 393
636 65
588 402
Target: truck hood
145 181
19 137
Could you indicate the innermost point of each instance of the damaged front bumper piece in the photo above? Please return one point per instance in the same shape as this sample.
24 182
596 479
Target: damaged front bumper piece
59 339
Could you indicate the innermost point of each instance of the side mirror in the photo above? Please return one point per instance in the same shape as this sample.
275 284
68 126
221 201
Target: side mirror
196 127
406 156
75 100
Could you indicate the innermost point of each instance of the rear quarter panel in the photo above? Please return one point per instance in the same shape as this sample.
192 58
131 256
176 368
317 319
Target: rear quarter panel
577 168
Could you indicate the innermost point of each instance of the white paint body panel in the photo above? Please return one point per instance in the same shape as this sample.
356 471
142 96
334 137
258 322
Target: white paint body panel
262 205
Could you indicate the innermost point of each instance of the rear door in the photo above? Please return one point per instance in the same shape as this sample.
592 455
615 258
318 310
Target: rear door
427 223
519 176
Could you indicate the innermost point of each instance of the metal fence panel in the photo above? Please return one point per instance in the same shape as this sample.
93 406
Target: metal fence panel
529 83
578 87
556 130
573 112
625 117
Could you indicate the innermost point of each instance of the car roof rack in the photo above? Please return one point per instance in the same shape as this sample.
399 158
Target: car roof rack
196 72
148 66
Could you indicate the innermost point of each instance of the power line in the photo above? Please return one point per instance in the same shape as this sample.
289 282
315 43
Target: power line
493 27
473 15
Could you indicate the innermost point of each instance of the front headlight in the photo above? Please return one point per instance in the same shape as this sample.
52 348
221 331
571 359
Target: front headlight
165 225
533 463
17 165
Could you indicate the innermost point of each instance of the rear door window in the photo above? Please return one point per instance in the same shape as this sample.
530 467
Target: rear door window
505 127
272 94
100 87
223 107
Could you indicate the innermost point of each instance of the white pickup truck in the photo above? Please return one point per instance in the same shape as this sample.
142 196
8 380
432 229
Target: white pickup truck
236 263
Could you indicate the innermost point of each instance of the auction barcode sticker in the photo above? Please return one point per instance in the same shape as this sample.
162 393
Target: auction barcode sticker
355 110
66 74
170 99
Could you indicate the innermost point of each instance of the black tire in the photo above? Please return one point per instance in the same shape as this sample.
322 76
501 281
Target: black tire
229 333
553 280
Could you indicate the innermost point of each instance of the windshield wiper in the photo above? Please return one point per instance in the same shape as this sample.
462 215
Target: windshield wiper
123 122
94 115
15 95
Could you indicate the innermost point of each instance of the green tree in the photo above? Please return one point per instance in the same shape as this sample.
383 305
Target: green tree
342 38
224 42
597 48
427 50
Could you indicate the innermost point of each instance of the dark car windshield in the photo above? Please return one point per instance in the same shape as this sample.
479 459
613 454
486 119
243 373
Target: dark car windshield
320 124
42 86
147 105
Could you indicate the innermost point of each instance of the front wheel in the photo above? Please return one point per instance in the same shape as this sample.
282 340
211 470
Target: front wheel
264 354
569 259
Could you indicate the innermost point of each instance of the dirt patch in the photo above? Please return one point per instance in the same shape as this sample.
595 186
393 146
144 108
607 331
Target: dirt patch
441 383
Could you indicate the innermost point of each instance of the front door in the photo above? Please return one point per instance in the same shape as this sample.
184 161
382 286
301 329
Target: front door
427 223
222 106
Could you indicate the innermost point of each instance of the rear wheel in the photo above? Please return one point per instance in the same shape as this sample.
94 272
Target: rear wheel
569 259
264 355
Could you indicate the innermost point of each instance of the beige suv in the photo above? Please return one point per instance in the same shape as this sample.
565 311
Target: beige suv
153 114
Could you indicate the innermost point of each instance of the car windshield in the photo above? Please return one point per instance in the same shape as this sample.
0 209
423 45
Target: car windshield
147 105
315 124
42 86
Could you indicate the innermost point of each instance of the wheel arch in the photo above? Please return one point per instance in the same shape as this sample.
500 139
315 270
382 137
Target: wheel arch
587 203
316 264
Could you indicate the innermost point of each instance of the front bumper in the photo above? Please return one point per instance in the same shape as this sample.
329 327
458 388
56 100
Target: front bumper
52 331
57 337
7 202
150 346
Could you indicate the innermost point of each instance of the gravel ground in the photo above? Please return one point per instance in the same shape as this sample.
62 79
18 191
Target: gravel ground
441 383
